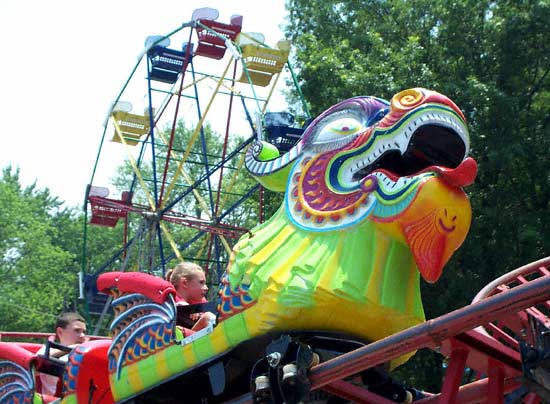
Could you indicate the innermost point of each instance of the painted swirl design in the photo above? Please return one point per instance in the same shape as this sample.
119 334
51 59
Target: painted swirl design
426 241
256 148
16 383
406 99
73 366
141 328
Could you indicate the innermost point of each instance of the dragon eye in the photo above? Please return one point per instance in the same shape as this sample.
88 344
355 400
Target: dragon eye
344 126
339 126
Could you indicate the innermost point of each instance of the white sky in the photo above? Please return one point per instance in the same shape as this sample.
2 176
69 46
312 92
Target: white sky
63 64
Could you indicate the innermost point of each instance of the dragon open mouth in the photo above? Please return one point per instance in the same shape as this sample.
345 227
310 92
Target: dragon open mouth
429 146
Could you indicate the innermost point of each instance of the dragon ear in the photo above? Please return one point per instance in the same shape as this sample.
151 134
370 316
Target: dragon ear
271 170
265 151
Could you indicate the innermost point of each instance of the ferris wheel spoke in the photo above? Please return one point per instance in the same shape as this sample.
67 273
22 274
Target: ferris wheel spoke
171 241
194 136
202 203
232 183
187 177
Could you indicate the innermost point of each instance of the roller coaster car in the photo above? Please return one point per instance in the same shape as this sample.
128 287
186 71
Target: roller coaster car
22 368
149 353
17 383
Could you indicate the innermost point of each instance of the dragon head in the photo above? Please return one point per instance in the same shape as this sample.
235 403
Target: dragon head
400 164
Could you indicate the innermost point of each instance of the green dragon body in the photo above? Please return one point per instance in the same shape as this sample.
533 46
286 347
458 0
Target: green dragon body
373 201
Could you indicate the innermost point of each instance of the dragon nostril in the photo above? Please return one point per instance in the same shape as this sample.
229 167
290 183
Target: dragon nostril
369 183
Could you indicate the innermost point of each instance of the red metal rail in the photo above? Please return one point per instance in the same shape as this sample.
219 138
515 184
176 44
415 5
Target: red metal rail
37 335
507 328
452 334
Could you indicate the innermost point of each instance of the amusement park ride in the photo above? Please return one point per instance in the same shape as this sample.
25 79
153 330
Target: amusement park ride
319 302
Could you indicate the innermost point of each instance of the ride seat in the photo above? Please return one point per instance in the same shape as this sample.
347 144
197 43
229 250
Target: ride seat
106 211
16 363
183 319
212 34
47 365
261 62
167 64
129 126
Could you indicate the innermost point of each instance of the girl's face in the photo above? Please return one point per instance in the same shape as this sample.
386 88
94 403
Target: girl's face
194 289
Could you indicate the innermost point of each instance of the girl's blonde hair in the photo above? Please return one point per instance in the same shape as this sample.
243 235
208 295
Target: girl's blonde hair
184 270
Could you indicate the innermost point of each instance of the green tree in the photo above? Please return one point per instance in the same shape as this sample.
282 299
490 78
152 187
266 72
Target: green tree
39 275
493 59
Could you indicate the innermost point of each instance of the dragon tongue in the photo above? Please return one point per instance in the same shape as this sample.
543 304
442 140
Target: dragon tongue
460 176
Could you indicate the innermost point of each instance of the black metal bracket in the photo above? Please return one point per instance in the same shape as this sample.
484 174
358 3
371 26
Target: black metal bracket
281 376
535 359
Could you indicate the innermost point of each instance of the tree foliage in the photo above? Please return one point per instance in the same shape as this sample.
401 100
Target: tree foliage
39 257
493 59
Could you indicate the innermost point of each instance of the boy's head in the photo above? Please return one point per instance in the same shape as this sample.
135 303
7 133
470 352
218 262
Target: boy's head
70 329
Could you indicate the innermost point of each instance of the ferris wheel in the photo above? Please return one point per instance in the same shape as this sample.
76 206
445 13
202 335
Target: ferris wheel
193 103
